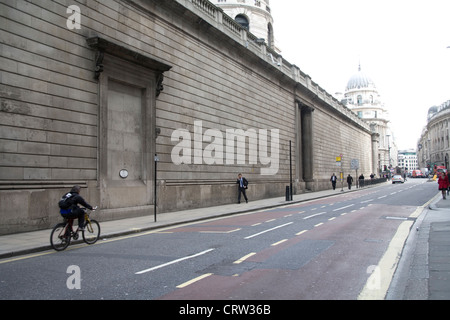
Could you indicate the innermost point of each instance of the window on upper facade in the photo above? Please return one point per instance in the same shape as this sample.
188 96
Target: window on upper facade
360 100
270 39
243 21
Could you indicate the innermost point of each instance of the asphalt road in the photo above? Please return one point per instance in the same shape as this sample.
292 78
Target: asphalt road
322 249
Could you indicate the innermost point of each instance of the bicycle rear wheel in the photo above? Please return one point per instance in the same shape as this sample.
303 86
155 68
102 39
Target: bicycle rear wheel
91 232
60 237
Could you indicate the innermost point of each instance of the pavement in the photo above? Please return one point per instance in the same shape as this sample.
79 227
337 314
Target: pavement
423 272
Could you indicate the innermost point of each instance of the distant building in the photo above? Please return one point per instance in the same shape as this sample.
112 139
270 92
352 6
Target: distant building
433 147
407 160
362 97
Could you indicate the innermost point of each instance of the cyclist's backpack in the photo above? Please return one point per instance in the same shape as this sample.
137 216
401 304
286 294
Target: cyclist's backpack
65 202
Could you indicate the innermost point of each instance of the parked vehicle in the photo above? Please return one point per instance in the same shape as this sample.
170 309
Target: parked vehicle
425 172
440 169
417 174
397 179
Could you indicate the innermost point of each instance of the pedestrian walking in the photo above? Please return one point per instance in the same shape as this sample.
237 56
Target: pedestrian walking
443 184
361 180
242 187
349 181
333 180
448 177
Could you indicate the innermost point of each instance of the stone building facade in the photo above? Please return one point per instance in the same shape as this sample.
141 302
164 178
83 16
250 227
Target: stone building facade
253 15
362 97
434 142
91 91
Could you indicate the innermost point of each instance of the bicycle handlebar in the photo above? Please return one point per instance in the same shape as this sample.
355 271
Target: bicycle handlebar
93 208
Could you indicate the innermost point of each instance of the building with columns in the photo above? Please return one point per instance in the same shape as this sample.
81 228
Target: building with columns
433 147
362 97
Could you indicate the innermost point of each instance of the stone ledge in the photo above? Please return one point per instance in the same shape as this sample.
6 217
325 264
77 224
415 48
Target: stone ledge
41 184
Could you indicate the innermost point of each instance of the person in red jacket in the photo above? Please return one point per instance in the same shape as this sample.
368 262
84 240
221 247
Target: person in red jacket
443 184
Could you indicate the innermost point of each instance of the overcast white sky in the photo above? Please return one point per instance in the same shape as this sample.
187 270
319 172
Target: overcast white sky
401 44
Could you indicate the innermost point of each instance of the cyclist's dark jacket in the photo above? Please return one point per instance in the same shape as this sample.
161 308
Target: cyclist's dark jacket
75 200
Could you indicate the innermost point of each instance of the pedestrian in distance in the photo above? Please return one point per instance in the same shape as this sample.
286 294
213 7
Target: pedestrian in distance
242 187
361 180
448 177
349 181
333 180
443 184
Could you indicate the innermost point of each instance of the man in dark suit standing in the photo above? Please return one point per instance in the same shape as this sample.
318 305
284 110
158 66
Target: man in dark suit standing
242 186
349 181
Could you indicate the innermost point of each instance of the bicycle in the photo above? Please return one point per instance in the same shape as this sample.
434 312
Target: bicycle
63 233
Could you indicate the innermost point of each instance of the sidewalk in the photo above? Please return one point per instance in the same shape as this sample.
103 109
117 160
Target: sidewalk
30 242
423 272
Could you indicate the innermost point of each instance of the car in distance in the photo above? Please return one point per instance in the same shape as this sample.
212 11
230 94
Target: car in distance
397 178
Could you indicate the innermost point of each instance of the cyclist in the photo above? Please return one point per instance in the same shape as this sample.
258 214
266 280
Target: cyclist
74 210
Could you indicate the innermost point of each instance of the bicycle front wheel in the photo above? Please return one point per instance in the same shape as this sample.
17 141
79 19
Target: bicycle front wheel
60 237
91 232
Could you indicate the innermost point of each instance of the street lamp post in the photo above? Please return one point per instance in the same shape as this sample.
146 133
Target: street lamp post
290 171
389 155
156 160
429 150
155 186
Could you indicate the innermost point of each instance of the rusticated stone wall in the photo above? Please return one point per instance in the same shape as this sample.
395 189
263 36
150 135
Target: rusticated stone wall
91 88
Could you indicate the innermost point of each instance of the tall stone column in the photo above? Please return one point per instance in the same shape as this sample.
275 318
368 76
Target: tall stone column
305 147
375 144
